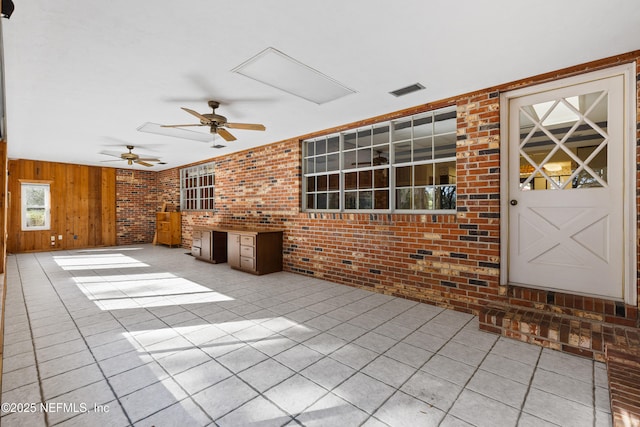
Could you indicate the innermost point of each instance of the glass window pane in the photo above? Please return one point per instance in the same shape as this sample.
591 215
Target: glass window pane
364 137
444 146
351 180
310 166
423 175
422 149
365 199
322 182
35 217
333 144
311 183
310 148
403 176
381 178
381 156
349 159
401 130
423 198
445 197
334 201
35 196
598 164
310 201
402 152
364 157
321 201
422 126
380 134
334 182
333 162
350 199
321 146
365 180
349 141
445 173
321 164
403 198
445 123
381 199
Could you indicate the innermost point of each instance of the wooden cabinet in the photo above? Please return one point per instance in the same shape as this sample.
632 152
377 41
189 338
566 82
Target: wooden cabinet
168 228
255 251
209 245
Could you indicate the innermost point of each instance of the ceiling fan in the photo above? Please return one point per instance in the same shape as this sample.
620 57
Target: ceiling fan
217 123
130 157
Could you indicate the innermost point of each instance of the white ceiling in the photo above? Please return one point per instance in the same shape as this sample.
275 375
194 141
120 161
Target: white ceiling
81 76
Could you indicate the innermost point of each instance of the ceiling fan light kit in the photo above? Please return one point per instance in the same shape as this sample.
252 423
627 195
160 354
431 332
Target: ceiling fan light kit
217 123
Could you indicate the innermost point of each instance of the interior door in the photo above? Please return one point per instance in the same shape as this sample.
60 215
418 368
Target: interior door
565 183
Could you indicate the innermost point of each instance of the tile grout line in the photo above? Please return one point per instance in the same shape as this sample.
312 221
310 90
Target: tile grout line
33 345
593 392
356 371
529 386
85 342
261 394
155 360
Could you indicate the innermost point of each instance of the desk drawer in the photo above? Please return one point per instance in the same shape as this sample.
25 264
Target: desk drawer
247 240
247 263
247 251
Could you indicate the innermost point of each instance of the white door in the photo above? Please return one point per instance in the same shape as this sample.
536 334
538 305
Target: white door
566 189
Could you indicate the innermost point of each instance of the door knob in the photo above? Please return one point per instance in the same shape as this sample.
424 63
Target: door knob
513 202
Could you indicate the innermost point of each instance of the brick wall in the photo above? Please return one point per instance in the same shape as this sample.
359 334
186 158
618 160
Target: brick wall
452 260
136 204
169 189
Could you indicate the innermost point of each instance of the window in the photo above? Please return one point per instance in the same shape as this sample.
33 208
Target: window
197 188
407 164
36 206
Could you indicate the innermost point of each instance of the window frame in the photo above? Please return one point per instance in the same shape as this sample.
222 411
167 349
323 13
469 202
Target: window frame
348 163
24 207
197 188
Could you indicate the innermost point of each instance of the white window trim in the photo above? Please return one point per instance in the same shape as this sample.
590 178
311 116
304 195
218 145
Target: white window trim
202 170
391 166
47 205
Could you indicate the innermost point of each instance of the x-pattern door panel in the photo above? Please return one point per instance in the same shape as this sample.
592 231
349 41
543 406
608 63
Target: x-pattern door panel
566 189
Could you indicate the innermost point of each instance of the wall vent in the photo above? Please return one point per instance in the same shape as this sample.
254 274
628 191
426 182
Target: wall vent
407 90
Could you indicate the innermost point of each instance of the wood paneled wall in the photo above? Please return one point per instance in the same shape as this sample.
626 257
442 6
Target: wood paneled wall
3 204
83 206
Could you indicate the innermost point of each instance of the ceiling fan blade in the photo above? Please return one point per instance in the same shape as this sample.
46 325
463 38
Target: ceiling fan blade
140 162
108 161
148 159
225 134
180 126
111 153
246 126
198 115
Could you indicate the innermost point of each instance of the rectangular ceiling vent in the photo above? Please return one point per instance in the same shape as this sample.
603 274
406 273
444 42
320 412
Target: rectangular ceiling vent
407 90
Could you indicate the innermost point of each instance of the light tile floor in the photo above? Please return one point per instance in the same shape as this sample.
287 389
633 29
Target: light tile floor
158 338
